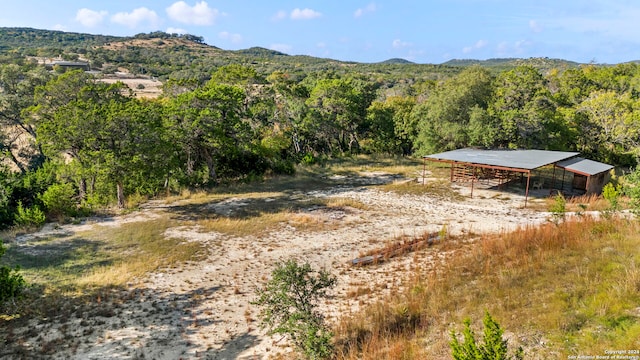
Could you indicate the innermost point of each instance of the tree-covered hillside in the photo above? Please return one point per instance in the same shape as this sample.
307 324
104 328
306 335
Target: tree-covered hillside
236 115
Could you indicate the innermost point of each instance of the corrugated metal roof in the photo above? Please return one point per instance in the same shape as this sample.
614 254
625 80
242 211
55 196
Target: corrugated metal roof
516 159
584 166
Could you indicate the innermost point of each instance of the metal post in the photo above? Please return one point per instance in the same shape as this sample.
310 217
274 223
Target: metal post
526 194
473 178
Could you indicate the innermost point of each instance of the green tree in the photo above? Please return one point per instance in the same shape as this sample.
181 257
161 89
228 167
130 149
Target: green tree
492 347
289 307
133 152
67 116
207 125
289 110
108 134
444 118
390 127
612 126
526 109
337 112
17 87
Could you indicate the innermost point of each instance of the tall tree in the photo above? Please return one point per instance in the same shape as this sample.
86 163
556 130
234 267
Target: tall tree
106 132
525 108
206 124
17 136
612 126
338 111
443 119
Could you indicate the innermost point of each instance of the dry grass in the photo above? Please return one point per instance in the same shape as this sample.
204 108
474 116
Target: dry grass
272 216
136 249
559 290
105 257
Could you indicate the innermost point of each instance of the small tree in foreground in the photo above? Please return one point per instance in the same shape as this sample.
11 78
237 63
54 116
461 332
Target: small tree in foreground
289 307
493 346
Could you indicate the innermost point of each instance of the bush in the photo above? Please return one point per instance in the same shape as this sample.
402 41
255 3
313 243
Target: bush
30 216
289 303
559 208
631 188
612 194
11 282
59 200
493 346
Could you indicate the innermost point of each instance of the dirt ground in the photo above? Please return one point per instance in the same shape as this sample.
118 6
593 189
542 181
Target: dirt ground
201 309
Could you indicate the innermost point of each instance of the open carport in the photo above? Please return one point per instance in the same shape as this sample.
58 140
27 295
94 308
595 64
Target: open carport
502 166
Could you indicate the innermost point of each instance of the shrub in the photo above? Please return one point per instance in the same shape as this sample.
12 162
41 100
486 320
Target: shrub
493 346
11 282
631 188
30 216
559 207
289 303
59 200
612 194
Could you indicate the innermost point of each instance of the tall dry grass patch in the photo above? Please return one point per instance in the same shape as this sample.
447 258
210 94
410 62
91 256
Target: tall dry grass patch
559 290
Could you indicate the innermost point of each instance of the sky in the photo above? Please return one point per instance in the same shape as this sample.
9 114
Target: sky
422 31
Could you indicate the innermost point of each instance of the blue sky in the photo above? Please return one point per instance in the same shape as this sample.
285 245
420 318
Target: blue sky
423 31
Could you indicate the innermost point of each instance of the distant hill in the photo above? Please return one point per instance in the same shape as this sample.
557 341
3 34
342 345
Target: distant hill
181 56
260 52
500 64
396 61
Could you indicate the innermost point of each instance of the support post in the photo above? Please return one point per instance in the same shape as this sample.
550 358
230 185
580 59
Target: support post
526 193
473 178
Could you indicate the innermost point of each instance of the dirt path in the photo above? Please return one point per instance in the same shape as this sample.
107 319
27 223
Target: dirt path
202 310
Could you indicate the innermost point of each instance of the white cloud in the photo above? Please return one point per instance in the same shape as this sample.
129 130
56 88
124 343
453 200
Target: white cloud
304 14
234 38
90 18
59 27
199 14
399 44
172 30
284 48
478 45
367 9
136 17
535 26
280 15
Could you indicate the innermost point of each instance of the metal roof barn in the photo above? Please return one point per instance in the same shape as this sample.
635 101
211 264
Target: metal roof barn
510 159
469 163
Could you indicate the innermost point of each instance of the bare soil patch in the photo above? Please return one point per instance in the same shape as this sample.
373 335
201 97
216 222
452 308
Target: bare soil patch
201 309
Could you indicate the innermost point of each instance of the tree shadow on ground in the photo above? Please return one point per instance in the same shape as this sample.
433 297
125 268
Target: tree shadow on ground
243 203
233 348
110 323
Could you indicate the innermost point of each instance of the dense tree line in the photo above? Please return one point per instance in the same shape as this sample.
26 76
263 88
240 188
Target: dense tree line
75 136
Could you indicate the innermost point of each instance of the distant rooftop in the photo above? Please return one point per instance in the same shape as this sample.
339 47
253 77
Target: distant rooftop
515 159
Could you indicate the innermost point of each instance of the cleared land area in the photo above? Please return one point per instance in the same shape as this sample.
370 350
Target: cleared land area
174 278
